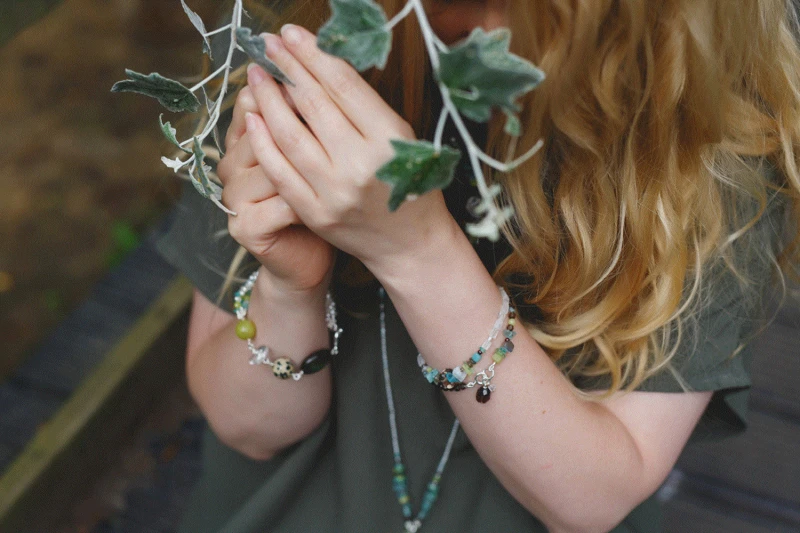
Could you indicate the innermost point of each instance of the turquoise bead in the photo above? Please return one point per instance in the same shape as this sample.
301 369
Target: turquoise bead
509 334
476 357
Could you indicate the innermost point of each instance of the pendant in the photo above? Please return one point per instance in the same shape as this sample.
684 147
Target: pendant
412 526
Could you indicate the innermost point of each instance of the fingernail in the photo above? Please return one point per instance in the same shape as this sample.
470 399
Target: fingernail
291 33
255 74
273 42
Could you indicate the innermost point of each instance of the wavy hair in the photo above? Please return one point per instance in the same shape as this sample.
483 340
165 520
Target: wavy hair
662 122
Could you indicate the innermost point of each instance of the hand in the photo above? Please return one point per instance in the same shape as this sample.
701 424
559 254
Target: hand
265 225
325 168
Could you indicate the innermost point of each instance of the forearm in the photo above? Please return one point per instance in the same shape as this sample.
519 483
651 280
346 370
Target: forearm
250 409
571 462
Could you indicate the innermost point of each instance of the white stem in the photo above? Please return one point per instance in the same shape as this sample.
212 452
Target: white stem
215 114
218 30
427 33
209 78
511 165
437 139
400 16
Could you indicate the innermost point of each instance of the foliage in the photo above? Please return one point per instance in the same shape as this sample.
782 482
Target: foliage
476 78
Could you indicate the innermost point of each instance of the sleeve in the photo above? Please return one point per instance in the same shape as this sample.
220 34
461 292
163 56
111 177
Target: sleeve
714 352
197 243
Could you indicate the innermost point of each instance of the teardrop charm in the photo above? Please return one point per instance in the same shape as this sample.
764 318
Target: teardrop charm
483 395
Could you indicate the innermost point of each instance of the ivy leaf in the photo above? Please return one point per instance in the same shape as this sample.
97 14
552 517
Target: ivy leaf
170 133
197 22
418 167
357 33
513 125
255 47
481 73
170 93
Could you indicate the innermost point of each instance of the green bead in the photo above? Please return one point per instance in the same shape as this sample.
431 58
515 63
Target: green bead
398 469
498 356
246 329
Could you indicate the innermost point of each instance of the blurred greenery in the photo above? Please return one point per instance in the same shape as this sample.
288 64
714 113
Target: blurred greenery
124 240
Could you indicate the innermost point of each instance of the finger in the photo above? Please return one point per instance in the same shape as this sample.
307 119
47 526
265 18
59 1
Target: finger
245 103
250 186
255 227
289 183
321 114
359 102
294 140
240 157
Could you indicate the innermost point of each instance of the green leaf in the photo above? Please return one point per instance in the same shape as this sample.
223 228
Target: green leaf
481 73
171 94
418 167
357 33
197 22
200 180
170 133
513 125
255 47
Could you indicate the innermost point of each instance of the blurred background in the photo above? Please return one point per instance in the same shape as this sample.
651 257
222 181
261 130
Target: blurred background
82 186
97 431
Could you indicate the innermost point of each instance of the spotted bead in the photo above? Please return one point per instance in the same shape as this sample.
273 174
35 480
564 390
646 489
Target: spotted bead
282 368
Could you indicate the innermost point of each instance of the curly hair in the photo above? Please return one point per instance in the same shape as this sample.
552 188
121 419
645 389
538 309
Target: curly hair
663 122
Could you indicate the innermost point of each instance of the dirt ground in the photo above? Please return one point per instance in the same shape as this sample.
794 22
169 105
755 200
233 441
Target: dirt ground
80 169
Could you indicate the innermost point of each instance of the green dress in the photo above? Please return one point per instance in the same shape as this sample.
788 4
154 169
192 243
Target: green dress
339 479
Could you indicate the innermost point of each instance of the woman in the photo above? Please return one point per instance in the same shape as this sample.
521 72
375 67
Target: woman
644 232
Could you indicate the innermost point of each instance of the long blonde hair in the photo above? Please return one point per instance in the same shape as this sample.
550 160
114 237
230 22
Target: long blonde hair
659 120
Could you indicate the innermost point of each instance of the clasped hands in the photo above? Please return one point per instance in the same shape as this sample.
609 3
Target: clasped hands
300 169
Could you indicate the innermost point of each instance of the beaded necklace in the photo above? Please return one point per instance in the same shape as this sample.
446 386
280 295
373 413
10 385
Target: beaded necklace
399 482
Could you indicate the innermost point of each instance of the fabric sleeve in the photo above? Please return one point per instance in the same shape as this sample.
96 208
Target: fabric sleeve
197 243
715 353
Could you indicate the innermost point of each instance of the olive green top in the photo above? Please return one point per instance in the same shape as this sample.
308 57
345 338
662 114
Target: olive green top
339 479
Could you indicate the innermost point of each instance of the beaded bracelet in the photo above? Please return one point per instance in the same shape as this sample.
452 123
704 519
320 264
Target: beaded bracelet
452 380
283 367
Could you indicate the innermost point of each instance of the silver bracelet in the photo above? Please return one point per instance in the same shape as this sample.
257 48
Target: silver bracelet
455 379
283 367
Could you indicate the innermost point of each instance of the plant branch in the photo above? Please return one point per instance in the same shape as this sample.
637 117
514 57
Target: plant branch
218 30
209 78
511 165
400 16
437 138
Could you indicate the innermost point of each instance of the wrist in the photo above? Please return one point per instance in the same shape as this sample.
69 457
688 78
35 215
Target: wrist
277 292
430 249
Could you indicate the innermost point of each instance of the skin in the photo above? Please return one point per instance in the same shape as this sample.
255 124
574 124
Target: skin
302 188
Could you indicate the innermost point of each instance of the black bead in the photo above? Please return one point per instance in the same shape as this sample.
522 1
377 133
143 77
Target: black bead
508 345
316 362
483 395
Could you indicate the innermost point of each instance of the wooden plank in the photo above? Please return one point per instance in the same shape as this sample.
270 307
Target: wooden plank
762 461
68 450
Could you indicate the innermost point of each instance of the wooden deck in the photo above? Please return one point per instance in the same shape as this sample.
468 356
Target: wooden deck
87 388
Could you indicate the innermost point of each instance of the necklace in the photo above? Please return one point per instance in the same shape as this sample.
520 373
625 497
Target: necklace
399 482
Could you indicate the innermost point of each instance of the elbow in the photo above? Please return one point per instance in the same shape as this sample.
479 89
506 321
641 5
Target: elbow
601 517
242 440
